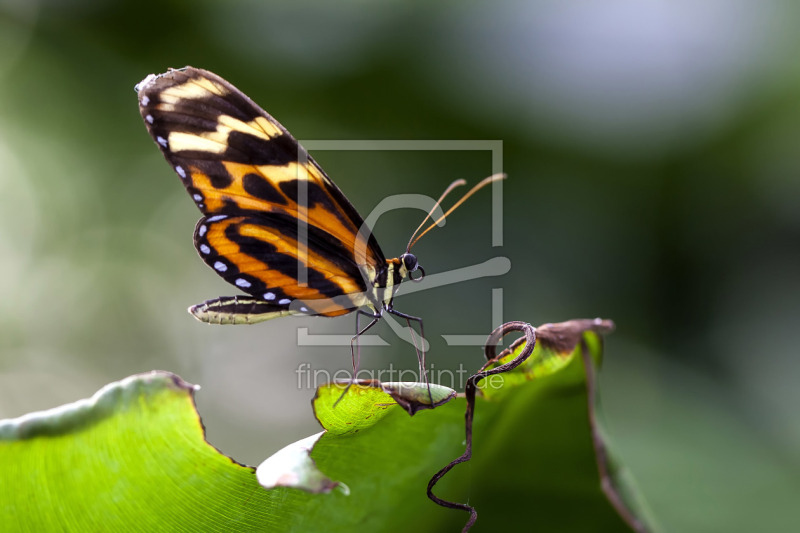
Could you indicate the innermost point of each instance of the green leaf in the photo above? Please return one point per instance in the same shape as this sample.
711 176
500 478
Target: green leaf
344 408
134 456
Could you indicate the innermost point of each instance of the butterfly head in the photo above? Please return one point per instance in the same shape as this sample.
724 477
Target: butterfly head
409 264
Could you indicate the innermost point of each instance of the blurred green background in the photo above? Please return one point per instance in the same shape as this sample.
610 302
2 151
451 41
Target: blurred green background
654 178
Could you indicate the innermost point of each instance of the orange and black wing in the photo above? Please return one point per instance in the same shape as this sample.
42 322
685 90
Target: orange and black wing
262 259
275 224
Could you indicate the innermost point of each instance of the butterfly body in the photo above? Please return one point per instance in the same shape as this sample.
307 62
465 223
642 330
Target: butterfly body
274 225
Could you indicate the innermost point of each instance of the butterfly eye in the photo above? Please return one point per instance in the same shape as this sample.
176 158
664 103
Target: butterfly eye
410 262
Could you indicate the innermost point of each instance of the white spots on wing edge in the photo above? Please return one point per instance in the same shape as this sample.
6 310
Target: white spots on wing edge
284 301
197 197
180 171
162 141
142 84
217 218
205 249
243 283
149 119
269 296
219 266
202 230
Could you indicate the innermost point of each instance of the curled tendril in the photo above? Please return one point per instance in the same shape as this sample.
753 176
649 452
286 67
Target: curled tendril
421 274
471 389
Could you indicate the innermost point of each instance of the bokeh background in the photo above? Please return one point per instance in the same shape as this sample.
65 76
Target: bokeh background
654 178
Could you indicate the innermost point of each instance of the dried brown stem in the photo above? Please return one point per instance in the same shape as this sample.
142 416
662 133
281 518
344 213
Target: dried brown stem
471 389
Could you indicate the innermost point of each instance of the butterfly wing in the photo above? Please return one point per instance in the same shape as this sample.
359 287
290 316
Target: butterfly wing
264 257
258 189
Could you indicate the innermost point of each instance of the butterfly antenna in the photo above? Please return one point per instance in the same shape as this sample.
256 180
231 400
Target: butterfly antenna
448 190
483 183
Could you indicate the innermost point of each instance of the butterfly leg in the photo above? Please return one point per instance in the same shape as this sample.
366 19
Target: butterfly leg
419 349
423 372
355 347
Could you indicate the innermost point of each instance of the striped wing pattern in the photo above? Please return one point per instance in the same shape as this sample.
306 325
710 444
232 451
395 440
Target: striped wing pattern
274 224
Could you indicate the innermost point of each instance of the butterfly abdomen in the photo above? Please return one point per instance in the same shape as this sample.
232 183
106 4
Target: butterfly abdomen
237 310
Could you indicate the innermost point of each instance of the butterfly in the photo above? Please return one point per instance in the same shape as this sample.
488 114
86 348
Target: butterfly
274 224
